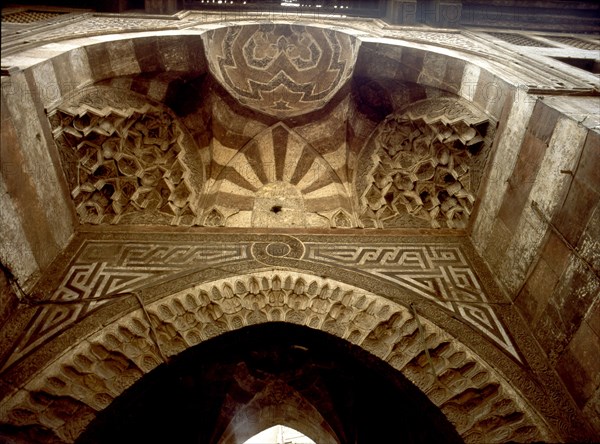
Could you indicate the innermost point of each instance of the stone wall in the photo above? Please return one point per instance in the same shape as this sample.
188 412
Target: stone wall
538 229
8 300
537 220
34 203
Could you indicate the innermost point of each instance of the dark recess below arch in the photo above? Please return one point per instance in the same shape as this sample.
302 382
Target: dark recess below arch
362 398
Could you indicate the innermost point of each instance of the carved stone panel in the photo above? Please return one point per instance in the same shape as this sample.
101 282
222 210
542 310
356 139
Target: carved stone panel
422 166
278 180
127 160
479 402
283 70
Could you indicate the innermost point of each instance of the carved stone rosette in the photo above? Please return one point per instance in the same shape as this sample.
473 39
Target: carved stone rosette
424 164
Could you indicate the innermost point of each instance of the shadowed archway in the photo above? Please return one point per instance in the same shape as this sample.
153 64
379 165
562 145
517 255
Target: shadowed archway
118 301
226 389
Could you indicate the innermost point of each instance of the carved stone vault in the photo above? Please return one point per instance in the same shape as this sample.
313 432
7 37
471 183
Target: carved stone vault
253 139
134 302
424 163
189 152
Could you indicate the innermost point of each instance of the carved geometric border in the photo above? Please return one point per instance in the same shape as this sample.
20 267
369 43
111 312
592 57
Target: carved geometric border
103 268
439 273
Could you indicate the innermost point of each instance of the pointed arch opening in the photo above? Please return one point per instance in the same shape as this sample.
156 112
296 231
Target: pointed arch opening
280 434
231 387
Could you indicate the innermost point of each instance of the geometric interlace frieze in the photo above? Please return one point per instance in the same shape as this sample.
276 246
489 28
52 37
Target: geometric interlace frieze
438 273
103 268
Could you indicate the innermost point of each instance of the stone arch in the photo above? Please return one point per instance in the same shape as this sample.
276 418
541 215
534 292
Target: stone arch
107 55
249 379
294 412
83 380
90 60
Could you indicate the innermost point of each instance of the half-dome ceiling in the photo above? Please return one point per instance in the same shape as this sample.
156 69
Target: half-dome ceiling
398 155
282 70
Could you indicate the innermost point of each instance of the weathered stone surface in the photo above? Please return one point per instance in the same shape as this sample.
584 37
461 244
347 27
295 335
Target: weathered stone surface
574 216
507 143
120 353
34 188
579 366
242 166
546 194
534 296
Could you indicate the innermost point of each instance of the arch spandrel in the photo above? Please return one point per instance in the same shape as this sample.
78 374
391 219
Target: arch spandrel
90 375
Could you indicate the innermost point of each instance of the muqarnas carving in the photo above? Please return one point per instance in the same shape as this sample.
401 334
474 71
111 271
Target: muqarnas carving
423 166
126 162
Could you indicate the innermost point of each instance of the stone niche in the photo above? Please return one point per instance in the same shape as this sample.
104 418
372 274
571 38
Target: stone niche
126 159
278 180
423 165
281 70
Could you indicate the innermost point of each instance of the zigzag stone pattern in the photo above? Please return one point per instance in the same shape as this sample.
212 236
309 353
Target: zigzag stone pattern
281 69
126 160
424 164
481 404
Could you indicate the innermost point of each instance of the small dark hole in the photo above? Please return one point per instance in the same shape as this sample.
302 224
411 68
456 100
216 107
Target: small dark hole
276 208
475 148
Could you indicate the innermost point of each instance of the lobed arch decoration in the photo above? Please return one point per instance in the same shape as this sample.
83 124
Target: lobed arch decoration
66 395
268 374
170 53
